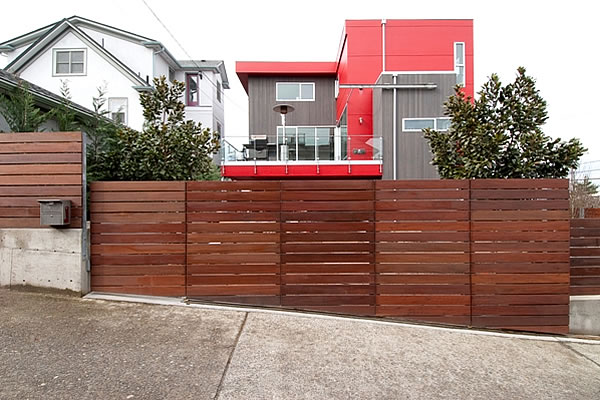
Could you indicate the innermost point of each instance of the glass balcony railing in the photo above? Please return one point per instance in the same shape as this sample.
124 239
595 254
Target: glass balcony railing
301 144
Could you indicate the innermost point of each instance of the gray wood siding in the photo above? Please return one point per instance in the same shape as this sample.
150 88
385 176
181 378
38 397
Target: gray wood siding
413 152
261 95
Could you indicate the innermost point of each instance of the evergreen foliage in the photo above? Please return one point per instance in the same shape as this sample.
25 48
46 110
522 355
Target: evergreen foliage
19 110
499 135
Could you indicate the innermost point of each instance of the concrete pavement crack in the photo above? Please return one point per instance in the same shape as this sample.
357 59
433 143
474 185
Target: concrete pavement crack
580 354
226 369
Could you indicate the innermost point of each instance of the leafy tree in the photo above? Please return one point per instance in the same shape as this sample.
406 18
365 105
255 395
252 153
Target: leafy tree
101 134
168 147
19 110
499 135
63 114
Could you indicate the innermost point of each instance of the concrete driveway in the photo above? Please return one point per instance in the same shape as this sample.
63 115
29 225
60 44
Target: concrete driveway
59 347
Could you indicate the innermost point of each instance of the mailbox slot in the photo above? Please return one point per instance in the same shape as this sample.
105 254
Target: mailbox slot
55 212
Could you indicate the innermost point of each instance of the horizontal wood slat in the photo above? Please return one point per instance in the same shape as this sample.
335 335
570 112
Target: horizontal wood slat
423 262
492 253
138 246
244 234
327 245
585 256
35 166
519 254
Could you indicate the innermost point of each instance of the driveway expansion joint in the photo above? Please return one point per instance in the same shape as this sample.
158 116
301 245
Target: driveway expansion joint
580 354
235 344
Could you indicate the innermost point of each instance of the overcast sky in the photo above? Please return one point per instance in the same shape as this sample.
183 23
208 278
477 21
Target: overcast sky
556 43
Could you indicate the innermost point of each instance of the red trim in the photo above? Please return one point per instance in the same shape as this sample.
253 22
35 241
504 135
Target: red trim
337 171
302 68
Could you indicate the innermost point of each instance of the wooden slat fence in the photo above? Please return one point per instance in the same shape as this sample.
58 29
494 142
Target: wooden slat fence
327 246
585 256
233 242
138 236
36 166
520 254
491 253
422 244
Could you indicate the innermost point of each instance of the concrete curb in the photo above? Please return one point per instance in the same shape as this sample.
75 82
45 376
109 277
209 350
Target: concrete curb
180 302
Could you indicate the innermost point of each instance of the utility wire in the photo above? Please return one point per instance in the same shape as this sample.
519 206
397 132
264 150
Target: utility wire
188 55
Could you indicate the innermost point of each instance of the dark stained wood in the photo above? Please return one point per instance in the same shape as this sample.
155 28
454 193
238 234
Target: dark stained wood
138 239
585 256
520 254
35 166
423 250
233 241
493 254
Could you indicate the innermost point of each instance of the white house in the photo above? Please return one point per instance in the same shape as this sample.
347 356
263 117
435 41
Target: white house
89 55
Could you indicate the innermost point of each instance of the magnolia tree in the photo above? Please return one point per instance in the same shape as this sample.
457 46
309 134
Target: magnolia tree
499 135
167 148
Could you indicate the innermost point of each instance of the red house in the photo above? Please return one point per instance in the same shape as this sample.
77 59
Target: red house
358 116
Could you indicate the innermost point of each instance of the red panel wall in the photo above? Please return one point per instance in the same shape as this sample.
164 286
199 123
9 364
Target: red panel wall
411 45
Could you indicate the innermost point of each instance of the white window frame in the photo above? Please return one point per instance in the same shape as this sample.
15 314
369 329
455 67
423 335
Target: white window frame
434 119
277 98
56 50
126 112
457 65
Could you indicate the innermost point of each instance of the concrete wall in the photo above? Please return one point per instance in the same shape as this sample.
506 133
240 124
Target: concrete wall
47 258
585 315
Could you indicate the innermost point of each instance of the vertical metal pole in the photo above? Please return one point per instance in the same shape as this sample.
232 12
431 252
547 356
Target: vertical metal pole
394 131
85 254
285 142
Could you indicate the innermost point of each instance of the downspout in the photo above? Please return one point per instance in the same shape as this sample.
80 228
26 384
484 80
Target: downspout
383 23
394 129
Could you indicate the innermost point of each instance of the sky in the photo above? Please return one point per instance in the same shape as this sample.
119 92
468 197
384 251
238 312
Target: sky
555 41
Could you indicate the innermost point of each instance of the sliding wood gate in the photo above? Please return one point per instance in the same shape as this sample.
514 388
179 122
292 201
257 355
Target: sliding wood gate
492 253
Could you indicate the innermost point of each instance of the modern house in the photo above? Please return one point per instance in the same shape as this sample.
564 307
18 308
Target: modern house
43 99
88 55
360 115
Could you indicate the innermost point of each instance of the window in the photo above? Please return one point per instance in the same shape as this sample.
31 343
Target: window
69 62
117 108
219 91
192 86
302 143
418 124
289 91
459 62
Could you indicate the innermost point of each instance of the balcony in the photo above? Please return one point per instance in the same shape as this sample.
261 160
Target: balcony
303 152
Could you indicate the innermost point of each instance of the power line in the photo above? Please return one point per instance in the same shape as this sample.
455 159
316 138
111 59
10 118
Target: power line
188 55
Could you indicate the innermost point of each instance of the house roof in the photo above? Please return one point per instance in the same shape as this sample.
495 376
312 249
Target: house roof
39 38
75 20
53 34
43 97
216 65
280 68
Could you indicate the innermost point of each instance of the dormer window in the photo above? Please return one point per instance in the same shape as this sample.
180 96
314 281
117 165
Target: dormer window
69 62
